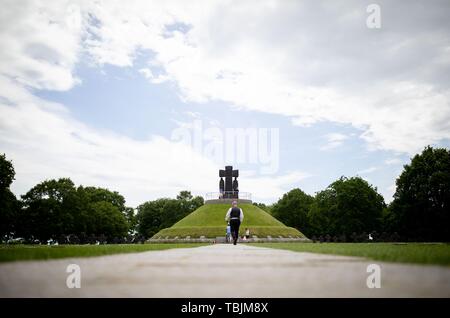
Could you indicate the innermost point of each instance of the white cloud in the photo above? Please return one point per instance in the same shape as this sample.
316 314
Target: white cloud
334 140
269 189
390 191
45 142
39 45
260 55
367 171
283 59
148 74
393 161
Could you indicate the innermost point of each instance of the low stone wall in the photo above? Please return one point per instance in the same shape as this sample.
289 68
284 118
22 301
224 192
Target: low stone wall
228 201
181 240
254 239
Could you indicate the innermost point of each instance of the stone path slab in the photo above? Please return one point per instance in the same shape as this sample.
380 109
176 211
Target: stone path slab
221 270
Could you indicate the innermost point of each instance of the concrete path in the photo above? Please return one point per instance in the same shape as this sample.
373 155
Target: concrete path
221 271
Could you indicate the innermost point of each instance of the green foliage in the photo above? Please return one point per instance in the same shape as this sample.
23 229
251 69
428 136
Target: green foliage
93 194
421 206
107 220
131 219
9 209
149 217
292 209
195 203
9 206
189 202
348 205
48 210
184 195
56 208
152 216
7 172
262 206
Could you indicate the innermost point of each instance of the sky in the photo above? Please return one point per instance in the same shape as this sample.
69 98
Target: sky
149 98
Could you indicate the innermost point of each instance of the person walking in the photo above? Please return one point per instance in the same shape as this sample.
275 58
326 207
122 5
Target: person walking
235 215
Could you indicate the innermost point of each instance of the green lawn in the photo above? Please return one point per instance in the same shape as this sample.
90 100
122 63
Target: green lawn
209 221
41 252
421 253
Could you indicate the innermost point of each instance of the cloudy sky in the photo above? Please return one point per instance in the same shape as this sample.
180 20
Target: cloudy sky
99 91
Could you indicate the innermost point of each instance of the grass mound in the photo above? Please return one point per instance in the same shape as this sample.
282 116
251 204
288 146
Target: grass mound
209 221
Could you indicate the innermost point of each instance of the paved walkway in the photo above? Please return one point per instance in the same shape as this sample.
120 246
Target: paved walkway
221 271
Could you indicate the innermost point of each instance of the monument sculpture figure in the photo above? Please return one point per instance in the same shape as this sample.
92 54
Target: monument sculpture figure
229 189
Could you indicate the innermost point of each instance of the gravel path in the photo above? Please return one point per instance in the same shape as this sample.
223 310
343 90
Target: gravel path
221 271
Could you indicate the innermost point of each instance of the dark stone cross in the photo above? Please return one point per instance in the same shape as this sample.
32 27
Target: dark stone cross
230 188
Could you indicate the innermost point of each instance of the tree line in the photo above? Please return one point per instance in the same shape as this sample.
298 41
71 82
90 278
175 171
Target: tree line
58 211
350 209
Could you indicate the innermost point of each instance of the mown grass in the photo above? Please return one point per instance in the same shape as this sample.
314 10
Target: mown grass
209 221
419 253
214 215
10 253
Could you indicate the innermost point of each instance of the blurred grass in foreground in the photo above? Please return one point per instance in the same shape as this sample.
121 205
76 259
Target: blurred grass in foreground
41 252
419 253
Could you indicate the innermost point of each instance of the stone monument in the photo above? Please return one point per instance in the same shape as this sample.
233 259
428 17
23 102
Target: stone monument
230 188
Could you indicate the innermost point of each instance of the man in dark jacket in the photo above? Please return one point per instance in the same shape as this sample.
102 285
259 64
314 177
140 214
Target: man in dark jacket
235 216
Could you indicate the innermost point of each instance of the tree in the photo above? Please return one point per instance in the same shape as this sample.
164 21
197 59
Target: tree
94 194
107 220
149 217
162 213
131 219
263 206
191 203
7 172
49 210
152 216
184 195
55 209
90 196
421 206
292 209
173 211
348 205
195 203
9 205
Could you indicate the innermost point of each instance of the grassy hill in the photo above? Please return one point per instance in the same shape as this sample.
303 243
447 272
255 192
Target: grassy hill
209 221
